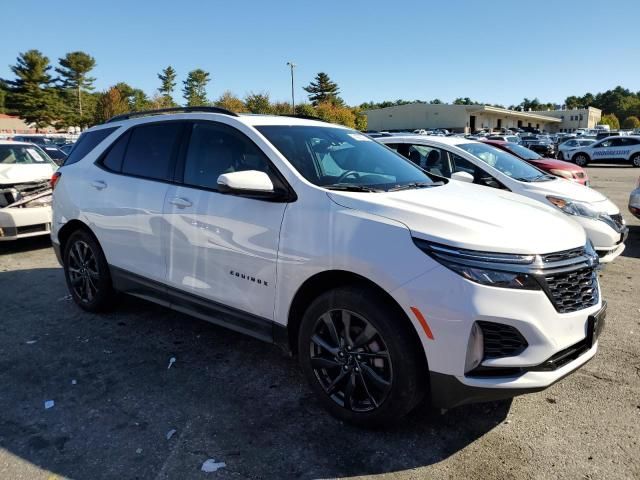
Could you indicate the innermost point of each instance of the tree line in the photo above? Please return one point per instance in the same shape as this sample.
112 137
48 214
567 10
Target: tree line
64 95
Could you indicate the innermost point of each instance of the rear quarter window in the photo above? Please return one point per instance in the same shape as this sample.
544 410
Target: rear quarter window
86 143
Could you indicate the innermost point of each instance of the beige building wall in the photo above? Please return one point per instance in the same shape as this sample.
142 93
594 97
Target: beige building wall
459 118
571 120
11 124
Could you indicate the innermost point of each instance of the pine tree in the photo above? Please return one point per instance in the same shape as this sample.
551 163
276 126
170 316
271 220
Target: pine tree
168 80
74 69
31 95
322 89
194 90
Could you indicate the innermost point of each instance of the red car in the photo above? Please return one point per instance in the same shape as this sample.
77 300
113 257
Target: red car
559 168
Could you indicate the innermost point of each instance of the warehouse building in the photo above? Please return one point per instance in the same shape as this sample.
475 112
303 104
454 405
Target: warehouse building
460 118
571 120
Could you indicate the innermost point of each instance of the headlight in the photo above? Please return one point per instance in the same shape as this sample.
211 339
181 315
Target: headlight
485 268
562 173
572 207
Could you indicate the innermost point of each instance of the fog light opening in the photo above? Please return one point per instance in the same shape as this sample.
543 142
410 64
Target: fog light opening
475 348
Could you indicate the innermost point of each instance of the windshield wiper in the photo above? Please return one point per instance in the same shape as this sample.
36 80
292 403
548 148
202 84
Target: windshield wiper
543 177
411 185
351 187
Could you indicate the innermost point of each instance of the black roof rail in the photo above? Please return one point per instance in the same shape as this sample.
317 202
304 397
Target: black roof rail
160 111
304 117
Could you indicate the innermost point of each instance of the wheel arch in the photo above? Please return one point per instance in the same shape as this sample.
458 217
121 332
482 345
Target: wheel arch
67 230
573 158
331 279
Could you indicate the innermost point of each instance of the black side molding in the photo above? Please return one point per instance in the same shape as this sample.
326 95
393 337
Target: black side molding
202 308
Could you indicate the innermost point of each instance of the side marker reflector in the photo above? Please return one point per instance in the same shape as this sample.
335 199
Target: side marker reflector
423 322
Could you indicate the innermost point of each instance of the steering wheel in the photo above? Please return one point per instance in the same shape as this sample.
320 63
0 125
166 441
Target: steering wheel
348 173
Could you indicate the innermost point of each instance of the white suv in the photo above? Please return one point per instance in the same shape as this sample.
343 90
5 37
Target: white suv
388 285
610 149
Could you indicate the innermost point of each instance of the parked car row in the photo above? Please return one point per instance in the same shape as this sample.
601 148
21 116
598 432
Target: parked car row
392 273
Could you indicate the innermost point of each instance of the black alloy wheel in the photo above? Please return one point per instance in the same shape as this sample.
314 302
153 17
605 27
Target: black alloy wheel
351 360
87 272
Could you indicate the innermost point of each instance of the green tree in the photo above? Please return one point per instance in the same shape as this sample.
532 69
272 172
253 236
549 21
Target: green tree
194 89
168 84
31 94
436 101
306 110
631 122
231 102
110 103
74 74
3 95
258 102
281 108
360 119
611 120
323 89
464 101
330 112
135 98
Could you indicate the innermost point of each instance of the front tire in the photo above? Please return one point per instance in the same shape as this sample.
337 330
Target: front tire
361 357
87 273
635 160
581 159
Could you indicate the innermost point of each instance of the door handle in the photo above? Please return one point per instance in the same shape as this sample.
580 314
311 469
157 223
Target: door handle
180 202
98 184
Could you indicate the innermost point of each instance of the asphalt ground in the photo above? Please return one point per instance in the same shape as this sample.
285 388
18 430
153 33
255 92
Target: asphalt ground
245 403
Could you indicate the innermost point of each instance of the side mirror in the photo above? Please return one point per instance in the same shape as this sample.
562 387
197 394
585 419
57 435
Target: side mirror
251 183
462 177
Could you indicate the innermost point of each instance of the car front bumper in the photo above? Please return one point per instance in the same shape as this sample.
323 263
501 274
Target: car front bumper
608 242
450 305
18 223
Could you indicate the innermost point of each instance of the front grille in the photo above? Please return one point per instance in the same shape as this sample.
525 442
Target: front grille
564 255
617 219
573 291
501 340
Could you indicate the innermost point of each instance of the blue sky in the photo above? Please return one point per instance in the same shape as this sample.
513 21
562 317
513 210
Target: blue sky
375 50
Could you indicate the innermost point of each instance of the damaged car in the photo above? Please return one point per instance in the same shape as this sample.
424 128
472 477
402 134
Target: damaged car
25 190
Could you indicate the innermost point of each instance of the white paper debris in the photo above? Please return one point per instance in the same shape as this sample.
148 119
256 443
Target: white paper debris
212 466
49 404
172 360
171 433
66 298
139 451
73 382
30 342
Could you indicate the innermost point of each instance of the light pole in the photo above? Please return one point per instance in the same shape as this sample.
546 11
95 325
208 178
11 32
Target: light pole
293 98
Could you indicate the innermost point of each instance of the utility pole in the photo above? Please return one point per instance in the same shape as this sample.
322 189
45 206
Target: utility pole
293 98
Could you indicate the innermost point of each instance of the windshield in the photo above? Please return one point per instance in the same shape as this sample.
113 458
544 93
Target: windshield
344 159
522 152
23 155
505 162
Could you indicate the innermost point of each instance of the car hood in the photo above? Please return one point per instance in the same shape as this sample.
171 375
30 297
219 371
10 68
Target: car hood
474 217
557 164
23 173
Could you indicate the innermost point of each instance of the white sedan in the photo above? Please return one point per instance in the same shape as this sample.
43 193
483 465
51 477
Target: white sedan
25 192
634 200
610 149
470 161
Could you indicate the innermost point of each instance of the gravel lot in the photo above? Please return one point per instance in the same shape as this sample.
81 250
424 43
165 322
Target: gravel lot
243 402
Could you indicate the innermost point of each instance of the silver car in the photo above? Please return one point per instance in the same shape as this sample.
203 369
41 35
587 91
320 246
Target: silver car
565 149
634 200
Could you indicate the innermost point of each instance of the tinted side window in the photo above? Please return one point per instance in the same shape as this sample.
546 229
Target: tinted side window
114 156
151 149
215 149
87 142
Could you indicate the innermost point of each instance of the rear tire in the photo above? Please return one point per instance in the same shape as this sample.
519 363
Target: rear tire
362 359
581 159
87 273
635 160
